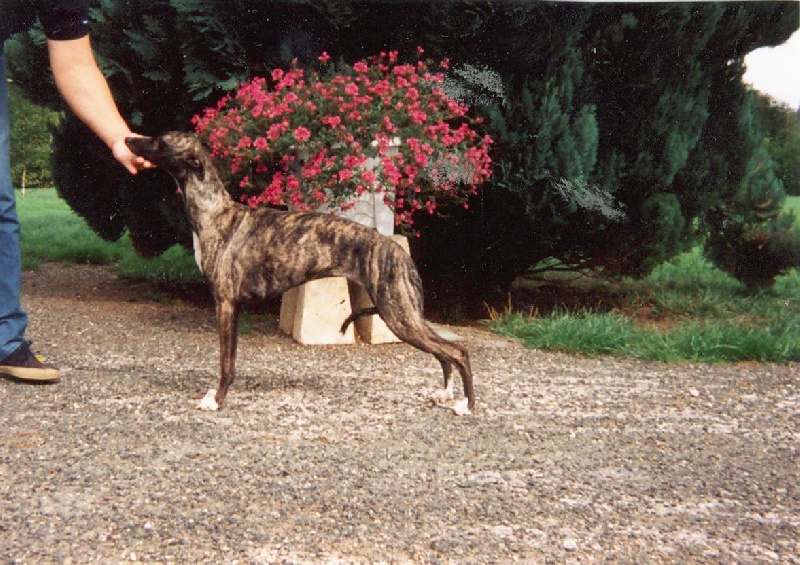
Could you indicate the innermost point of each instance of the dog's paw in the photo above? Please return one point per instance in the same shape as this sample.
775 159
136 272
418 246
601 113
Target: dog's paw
461 407
442 396
209 402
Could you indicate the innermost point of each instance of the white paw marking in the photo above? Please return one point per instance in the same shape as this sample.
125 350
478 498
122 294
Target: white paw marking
442 396
460 408
208 402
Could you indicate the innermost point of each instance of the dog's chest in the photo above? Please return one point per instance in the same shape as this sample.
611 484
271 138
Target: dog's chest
198 254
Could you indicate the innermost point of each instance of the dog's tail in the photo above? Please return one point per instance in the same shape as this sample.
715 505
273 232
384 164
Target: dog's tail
355 315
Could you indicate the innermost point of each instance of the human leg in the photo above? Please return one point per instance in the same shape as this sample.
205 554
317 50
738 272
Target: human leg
16 359
12 317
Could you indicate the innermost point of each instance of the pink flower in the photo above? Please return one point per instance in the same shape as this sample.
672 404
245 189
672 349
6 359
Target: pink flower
381 87
302 134
418 116
351 89
353 161
275 130
311 171
457 108
342 121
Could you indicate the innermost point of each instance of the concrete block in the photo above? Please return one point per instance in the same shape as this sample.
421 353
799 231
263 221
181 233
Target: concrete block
288 309
313 312
402 241
320 308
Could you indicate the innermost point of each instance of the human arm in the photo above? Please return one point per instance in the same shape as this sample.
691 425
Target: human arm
86 91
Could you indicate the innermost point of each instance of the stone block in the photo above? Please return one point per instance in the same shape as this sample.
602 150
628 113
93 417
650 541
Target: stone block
313 313
288 309
319 307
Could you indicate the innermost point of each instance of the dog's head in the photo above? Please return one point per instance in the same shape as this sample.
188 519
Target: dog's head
180 154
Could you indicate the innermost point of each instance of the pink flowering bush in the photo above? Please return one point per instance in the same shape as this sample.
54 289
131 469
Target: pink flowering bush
310 139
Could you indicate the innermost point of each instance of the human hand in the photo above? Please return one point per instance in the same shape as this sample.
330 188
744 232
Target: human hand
134 163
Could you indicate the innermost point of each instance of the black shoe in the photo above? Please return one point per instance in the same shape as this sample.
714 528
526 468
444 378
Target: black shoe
24 365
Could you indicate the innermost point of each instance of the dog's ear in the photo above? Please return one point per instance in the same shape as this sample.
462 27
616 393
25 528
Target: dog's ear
193 161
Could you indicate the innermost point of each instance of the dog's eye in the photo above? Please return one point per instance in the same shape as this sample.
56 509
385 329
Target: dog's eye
193 161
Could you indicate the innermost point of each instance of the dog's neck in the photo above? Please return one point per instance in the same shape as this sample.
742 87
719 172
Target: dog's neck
206 197
211 212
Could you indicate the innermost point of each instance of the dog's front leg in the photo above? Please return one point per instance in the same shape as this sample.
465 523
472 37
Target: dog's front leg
227 318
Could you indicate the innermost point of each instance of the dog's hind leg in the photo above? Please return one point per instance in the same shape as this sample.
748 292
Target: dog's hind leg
444 395
227 318
400 306
459 357
449 354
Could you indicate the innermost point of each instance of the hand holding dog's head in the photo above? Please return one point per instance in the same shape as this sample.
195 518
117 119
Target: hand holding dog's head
178 153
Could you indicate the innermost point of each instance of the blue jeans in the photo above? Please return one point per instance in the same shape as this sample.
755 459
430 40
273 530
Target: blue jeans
12 317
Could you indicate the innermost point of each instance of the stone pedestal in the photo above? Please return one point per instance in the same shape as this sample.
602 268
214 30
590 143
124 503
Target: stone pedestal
370 209
313 313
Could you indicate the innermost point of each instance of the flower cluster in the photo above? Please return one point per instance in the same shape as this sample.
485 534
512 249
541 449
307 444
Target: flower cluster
320 138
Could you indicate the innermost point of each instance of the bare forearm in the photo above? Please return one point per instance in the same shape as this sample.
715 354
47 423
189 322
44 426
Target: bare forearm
85 89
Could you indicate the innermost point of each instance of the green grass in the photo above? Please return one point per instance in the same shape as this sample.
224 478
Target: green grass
52 232
707 341
696 312
174 267
793 205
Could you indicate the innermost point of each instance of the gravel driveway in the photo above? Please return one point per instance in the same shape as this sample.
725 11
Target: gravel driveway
331 454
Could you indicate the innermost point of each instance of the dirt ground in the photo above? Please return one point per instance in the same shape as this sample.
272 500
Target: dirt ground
333 455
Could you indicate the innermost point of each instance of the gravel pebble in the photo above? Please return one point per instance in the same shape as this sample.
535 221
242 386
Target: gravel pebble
333 455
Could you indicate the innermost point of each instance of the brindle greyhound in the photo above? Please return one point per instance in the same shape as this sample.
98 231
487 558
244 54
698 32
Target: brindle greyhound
248 253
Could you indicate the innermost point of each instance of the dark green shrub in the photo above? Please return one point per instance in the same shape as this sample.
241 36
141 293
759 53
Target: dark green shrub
754 252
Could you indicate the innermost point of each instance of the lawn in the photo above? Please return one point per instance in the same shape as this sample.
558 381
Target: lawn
52 232
685 310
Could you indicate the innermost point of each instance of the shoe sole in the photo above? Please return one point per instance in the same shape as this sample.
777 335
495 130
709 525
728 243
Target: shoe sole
27 374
